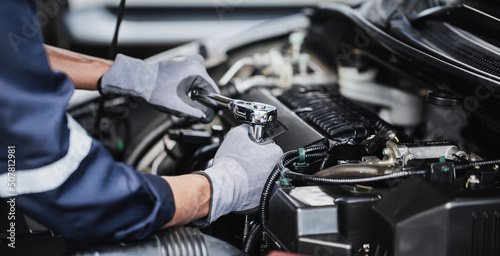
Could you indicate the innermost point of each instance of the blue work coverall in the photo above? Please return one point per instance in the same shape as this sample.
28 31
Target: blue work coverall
63 178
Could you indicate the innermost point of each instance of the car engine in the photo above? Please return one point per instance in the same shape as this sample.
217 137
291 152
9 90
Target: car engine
388 116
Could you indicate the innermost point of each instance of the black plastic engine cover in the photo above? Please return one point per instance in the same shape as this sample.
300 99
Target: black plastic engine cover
423 218
319 221
332 114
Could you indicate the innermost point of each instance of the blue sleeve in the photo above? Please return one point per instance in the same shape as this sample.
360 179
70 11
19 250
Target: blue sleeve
64 178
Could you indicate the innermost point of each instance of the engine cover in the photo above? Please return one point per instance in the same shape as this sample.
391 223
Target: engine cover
419 217
317 220
335 116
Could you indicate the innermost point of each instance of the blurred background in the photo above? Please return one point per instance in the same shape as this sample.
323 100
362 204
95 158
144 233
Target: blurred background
152 26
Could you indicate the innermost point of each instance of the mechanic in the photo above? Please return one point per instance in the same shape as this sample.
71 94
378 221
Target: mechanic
67 181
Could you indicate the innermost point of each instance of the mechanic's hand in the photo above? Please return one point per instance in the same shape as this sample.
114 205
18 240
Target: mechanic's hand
164 85
240 170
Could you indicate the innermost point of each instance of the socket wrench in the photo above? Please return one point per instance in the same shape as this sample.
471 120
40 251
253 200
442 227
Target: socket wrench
257 114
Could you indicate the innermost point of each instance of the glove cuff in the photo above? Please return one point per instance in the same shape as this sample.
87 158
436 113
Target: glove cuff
99 86
229 187
130 76
205 221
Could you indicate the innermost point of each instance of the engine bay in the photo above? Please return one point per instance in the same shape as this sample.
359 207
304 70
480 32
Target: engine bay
385 154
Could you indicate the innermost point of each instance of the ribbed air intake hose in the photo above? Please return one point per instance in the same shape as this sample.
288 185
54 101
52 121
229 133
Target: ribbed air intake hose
174 241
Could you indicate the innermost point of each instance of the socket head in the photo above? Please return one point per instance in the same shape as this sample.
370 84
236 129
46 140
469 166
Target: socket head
254 112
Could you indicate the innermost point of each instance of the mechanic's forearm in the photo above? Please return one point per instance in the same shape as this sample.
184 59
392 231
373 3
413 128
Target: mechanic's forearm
83 70
191 196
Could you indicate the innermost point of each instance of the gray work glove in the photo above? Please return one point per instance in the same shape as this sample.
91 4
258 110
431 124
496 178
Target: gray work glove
164 85
240 170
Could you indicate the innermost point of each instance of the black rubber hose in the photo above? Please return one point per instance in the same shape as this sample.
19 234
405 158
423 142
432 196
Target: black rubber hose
252 238
284 161
268 186
291 160
330 181
311 155
266 192
284 158
316 148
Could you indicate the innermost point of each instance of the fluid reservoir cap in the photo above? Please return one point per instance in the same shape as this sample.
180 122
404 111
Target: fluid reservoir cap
442 100
296 38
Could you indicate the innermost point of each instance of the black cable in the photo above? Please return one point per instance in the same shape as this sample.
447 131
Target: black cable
111 56
119 18
310 155
266 192
285 162
291 160
284 158
311 152
480 163
268 186
330 181
316 148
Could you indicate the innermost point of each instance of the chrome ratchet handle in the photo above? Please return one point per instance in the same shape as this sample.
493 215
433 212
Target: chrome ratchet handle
257 114
221 100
